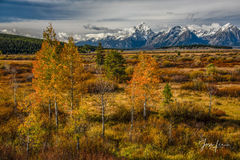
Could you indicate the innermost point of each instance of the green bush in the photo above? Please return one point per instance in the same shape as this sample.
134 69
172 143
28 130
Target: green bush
183 112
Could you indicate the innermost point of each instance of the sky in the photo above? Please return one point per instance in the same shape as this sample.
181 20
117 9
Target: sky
30 17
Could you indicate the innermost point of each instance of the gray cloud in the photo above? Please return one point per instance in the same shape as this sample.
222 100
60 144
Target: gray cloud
70 15
97 28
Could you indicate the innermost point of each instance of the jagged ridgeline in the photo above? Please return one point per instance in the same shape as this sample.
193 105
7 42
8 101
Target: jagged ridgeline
142 36
14 44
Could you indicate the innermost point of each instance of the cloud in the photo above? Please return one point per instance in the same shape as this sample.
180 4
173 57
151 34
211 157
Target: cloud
6 31
111 15
97 28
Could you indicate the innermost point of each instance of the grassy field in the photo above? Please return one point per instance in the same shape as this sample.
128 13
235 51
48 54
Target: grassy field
188 120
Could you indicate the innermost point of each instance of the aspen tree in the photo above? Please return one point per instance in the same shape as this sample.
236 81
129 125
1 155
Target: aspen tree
145 80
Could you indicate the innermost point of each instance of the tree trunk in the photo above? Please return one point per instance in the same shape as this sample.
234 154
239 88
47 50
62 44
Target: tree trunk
72 87
49 109
72 96
14 92
170 132
210 103
56 113
27 146
144 109
77 143
103 110
131 128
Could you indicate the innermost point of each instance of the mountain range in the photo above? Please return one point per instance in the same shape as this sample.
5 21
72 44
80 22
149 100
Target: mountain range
142 36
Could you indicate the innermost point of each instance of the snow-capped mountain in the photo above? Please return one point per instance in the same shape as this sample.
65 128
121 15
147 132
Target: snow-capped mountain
142 36
204 30
176 36
134 37
227 35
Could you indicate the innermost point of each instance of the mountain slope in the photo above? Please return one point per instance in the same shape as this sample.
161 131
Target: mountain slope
227 35
176 36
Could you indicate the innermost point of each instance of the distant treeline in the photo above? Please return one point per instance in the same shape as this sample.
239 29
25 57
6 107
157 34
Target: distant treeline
196 46
86 48
14 44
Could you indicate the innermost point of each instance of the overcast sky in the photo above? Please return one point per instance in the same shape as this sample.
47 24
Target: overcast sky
91 16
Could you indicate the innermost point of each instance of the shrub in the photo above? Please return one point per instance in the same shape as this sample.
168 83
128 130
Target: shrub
184 59
197 63
179 78
167 63
196 74
183 136
183 112
151 152
179 53
237 70
211 59
229 59
196 85
218 112
131 151
160 140
92 86
232 91
121 114
129 70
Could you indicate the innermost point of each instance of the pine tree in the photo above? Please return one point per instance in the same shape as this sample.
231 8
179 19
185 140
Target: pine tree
115 66
167 94
100 55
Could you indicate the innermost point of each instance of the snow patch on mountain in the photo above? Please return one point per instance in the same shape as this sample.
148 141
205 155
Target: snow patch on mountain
139 30
227 26
204 30
62 36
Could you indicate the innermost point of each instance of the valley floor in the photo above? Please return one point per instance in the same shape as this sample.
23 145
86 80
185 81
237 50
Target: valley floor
183 129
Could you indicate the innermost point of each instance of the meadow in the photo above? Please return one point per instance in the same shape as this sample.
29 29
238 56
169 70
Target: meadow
196 117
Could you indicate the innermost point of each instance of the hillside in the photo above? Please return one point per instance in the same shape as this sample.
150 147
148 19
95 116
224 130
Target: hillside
14 44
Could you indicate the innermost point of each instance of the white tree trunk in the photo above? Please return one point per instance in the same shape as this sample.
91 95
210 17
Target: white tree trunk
78 143
210 103
27 146
103 112
14 92
49 109
131 127
144 108
170 132
56 113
